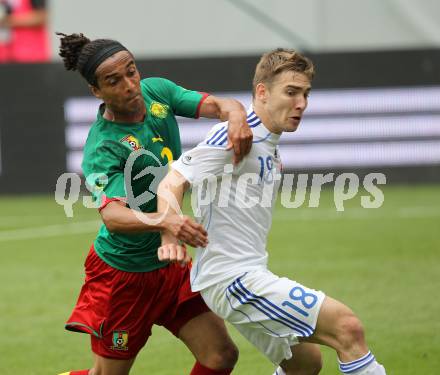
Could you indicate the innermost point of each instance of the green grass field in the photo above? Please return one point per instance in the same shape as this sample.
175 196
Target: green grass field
384 263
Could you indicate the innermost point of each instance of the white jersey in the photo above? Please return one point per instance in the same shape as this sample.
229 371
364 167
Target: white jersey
234 203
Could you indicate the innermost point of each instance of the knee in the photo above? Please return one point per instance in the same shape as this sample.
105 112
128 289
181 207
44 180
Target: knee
308 364
313 369
350 331
312 366
228 356
225 356
315 363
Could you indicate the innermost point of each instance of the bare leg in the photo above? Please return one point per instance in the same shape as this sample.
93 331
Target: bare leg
207 338
340 329
107 366
306 360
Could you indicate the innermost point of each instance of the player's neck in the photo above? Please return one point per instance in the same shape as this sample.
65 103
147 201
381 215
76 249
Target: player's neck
126 118
265 117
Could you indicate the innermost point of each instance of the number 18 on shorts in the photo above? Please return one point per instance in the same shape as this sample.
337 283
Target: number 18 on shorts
270 311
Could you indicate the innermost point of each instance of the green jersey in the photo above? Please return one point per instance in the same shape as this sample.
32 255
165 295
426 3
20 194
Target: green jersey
144 148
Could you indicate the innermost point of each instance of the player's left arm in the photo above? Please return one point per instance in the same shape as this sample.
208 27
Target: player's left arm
189 103
231 110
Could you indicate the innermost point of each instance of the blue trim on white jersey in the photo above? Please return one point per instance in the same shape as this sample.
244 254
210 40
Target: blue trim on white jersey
252 116
214 141
220 137
223 140
255 124
210 140
253 120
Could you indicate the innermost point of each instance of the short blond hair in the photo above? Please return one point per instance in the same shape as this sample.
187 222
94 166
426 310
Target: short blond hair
278 61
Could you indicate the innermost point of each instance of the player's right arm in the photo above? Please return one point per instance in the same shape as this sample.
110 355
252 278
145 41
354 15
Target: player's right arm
103 166
119 218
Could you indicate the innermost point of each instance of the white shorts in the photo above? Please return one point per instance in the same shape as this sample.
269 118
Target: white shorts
270 311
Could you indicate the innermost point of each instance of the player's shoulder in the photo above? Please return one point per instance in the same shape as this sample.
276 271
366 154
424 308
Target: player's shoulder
151 81
158 88
217 135
156 83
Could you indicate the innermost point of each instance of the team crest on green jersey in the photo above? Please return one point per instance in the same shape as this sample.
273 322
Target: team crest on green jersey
131 142
120 340
159 110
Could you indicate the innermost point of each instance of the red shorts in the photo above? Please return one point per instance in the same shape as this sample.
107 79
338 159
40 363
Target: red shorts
119 308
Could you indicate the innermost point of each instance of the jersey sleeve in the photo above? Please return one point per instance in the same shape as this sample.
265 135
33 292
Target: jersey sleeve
104 173
205 159
183 102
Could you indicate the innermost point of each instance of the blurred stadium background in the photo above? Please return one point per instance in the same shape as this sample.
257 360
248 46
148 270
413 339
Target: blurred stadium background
375 107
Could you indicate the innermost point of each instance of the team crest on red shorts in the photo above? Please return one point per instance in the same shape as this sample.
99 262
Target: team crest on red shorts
120 340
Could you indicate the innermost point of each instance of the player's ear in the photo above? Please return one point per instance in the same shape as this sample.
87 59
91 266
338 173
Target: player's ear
261 92
95 91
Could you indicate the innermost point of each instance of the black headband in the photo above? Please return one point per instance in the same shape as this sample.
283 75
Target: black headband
94 61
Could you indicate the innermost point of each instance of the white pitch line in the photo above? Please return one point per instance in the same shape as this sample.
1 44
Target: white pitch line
50 231
20 219
11 220
419 211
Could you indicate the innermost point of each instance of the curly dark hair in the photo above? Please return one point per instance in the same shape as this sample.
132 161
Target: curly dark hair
76 49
